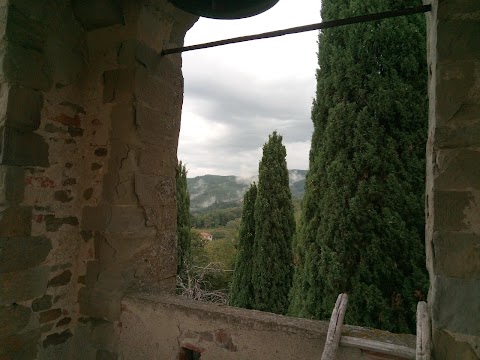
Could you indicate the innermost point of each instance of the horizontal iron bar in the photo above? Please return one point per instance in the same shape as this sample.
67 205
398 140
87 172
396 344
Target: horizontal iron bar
299 29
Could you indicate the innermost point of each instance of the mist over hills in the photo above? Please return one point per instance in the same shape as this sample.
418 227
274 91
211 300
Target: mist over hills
216 191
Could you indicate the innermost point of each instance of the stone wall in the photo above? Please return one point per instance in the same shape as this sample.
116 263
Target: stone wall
90 116
165 327
453 178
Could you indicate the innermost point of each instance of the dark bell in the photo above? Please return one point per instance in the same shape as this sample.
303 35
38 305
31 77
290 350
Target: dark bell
224 9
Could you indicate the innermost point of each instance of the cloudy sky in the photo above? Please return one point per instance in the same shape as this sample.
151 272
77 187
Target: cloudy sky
236 95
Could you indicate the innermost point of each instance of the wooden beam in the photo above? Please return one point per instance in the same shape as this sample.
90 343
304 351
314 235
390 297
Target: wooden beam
403 352
423 332
335 328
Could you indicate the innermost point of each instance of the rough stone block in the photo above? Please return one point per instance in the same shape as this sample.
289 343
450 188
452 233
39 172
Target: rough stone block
157 93
454 88
16 221
99 304
154 127
123 123
22 109
20 346
458 169
94 14
452 294
457 255
153 30
24 66
57 338
154 191
459 39
13 319
53 223
449 207
43 303
21 253
49 315
24 30
118 85
96 218
12 185
447 347
61 279
23 285
22 149
106 355
126 219
156 160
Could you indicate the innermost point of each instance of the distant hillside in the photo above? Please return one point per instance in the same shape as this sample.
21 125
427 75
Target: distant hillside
215 191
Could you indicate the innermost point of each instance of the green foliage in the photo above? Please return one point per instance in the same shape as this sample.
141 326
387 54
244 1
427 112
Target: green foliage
274 229
183 218
222 254
242 294
362 221
216 217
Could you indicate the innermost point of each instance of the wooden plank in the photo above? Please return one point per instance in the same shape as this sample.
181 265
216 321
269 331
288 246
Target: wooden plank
423 332
335 328
403 352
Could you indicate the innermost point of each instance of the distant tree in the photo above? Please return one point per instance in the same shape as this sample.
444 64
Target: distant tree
274 230
362 220
183 218
242 294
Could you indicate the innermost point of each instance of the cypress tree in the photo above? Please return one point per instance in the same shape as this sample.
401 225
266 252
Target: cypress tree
183 218
274 229
362 230
242 294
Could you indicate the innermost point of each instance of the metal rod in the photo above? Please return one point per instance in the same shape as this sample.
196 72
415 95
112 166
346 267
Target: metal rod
299 29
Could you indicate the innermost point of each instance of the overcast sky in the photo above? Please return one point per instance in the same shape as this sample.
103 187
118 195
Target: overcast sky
236 95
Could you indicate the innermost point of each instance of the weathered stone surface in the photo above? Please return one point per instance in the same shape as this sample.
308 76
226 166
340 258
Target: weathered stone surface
57 338
154 191
123 123
63 322
449 209
16 221
86 235
94 14
75 132
158 160
61 279
12 185
20 253
147 88
96 218
106 355
446 347
23 149
22 111
24 66
43 303
69 181
99 304
20 346
49 315
458 39
458 169
118 85
23 285
155 127
13 319
63 196
96 166
452 294
101 152
54 224
127 219
457 255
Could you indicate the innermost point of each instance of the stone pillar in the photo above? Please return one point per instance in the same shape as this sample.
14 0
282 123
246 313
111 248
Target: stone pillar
453 178
90 116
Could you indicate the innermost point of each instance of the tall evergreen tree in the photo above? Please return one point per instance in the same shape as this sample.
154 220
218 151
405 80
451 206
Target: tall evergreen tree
242 294
274 229
183 218
362 230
